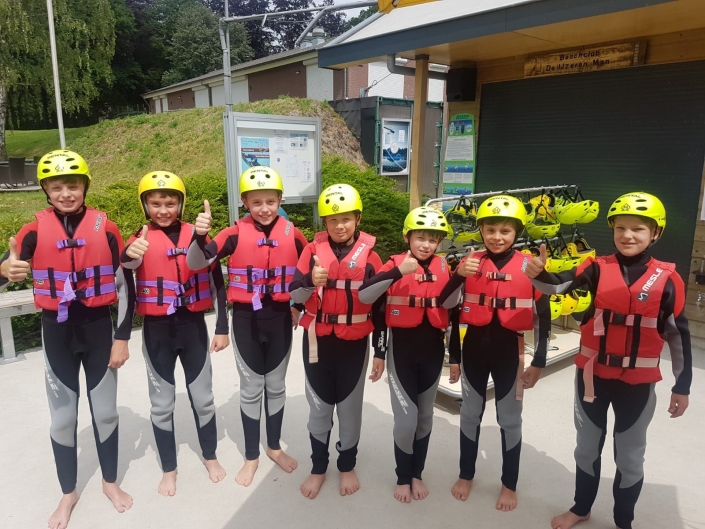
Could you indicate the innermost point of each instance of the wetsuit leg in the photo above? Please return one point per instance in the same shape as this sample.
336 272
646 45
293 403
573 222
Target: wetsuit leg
277 355
160 359
475 374
193 351
249 355
320 393
591 424
634 407
504 374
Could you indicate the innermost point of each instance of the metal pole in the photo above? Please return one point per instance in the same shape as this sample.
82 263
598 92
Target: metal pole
506 191
55 69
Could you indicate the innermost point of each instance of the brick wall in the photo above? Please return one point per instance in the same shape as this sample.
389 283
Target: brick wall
357 78
270 84
181 99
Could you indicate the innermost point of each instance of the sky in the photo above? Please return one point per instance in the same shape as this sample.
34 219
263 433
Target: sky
350 12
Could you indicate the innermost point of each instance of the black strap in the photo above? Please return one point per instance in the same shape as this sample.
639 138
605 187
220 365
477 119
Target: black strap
160 291
284 287
412 300
349 295
636 338
249 279
602 353
512 303
52 282
482 299
196 286
96 280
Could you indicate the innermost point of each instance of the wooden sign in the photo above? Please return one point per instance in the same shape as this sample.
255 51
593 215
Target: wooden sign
586 60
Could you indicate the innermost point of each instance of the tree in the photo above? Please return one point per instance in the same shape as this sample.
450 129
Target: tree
288 32
194 47
364 14
85 40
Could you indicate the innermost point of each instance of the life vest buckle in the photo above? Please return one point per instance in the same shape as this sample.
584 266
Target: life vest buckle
70 243
181 301
80 293
331 319
171 252
618 319
267 289
499 303
267 242
612 360
78 275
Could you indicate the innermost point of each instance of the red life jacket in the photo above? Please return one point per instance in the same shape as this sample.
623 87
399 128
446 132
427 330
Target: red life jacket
621 340
164 280
328 306
261 265
417 294
508 292
80 268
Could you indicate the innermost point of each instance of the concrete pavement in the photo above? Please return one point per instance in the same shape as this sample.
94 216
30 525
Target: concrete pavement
29 490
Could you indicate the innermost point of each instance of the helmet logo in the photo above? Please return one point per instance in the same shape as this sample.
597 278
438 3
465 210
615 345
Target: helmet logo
626 207
59 167
496 210
434 223
260 183
335 207
161 183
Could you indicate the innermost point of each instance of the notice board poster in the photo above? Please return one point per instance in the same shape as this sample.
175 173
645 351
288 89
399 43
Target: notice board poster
459 158
394 147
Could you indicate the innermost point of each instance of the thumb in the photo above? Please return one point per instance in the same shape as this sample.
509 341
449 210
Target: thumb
542 252
206 207
472 253
408 255
316 260
14 254
143 236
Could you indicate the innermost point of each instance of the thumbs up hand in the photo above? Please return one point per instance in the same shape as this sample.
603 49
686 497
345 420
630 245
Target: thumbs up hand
409 265
138 248
537 264
204 219
13 268
470 265
319 275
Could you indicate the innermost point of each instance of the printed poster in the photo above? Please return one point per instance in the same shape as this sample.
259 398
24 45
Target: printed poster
459 159
255 151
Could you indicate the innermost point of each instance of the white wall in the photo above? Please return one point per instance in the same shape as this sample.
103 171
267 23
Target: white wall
165 104
436 88
240 91
201 96
319 83
388 85
218 95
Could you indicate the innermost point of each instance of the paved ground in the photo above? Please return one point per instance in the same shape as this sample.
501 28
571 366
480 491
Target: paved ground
29 489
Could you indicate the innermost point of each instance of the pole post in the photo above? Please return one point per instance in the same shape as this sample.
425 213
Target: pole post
55 70
418 135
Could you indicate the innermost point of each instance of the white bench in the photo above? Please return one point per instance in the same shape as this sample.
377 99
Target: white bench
13 304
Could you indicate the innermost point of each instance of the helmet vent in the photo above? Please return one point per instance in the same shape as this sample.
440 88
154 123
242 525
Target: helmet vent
70 159
45 170
74 167
420 223
642 208
422 216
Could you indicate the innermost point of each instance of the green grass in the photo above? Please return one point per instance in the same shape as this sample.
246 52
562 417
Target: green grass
29 143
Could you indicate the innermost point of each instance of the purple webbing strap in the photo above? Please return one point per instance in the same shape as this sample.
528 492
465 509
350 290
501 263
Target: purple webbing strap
268 242
176 251
70 243
263 273
89 292
44 274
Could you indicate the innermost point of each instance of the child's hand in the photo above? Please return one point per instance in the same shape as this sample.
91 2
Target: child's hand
531 376
679 403
377 369
219 342
119 354
454 373
139 247
319 275
469 266
409 265
13 268
204 219
537 264
295 315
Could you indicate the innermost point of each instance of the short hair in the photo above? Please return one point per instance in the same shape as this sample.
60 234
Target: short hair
67 179
163 193
434 234
493 221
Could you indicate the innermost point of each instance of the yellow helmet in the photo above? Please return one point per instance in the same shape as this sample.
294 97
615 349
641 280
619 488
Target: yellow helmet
570 303
502 206
260 177
583 249
62 163
339 198
556 302
577 212
425 218
555 265
161 181
584 300
640 204
543 227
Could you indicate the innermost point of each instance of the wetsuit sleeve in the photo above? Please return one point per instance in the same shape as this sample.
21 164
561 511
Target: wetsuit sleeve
378 284
584 276
675 331
452 293
301 286
300 241
202 253
124 284
27 244
379 307
542 329
219 298
454 345
127 261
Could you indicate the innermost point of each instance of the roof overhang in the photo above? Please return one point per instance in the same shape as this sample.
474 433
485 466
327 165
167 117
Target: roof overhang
506 28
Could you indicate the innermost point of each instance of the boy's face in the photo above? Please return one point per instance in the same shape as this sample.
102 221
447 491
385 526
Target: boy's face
632 234
163 209
498 237
341 227
65 196
263 205
422 245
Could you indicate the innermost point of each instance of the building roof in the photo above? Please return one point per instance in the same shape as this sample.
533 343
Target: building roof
239 69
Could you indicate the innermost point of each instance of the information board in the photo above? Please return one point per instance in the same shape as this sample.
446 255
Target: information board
459 159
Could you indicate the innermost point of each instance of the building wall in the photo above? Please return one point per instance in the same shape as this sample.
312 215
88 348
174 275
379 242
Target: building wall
202 97
386 85
217 95
270 84
339 84
240 91
182 99
319 83
357 79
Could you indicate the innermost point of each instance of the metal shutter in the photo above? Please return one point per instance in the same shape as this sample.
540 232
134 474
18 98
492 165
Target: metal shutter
611 132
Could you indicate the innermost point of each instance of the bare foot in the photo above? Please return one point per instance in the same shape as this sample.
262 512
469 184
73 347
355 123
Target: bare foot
461 489
215 471
349 483
418 489
60 517
247 472
403 493
122 501
567 520
507 500
284 460
167 486
312 485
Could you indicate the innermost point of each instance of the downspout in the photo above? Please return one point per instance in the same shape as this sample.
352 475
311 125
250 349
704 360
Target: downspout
405 70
